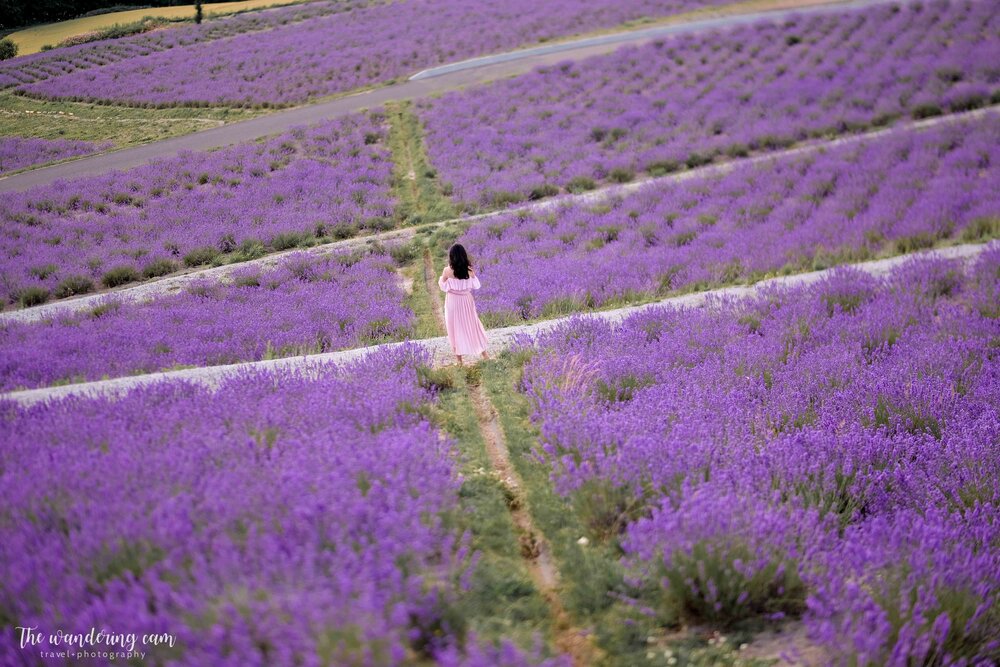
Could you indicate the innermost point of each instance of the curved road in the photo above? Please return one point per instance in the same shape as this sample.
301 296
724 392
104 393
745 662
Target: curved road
422 84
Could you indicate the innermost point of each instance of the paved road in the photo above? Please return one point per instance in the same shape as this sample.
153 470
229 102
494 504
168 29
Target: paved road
428 82
500 339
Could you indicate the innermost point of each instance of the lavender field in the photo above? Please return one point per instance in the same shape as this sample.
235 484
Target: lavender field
797 470
693 99
334 52
304 306
322 181
20 152
270 527
53 63
897 193
826 451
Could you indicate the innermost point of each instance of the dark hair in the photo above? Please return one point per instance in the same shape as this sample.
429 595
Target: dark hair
459 261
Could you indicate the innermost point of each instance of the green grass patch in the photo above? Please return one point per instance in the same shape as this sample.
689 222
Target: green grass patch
502 601
120 125
415 182
421 302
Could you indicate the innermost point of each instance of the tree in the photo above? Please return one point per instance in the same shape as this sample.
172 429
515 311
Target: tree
197 12
8 49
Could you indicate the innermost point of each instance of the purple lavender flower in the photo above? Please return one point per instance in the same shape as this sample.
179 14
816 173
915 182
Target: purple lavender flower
282 518
325 180
340 47
304 306
898 192
20 152
827 450
697 98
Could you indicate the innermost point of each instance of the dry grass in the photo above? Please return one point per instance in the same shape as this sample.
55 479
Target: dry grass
32 39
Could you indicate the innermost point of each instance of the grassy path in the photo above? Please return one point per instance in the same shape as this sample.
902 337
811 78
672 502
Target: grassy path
502 601
415 182
470 403
534 547
433 291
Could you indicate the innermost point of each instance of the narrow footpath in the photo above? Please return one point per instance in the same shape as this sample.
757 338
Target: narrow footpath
535 550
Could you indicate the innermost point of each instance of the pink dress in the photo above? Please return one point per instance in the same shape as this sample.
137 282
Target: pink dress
465 332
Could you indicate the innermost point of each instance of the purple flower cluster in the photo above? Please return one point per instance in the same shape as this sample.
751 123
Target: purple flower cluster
692 99
323 180
900 191
285 518
47 64
829 450
341 52
304 306
20 152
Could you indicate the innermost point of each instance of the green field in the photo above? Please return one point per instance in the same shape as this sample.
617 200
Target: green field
122 126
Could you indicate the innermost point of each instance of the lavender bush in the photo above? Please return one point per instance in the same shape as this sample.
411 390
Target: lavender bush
283 519
897 193
304 306
46 64
20 152
323 181
692 99
330 54
847 428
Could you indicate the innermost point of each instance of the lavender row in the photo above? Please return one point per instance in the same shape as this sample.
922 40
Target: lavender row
304 306
322 181
896 193
692 99
826 451
342 52
47 64
283 519
20 152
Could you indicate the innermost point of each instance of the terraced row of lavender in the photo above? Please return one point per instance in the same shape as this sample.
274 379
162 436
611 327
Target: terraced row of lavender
47 64
827 451
322 181
20 152
895 193
692 99
286 518
306 305
333 54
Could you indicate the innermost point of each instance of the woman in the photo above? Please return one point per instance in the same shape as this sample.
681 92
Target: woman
465 332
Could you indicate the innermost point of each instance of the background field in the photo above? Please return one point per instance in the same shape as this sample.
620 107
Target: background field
31 40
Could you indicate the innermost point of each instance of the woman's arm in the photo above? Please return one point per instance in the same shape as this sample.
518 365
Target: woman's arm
475 279
445 275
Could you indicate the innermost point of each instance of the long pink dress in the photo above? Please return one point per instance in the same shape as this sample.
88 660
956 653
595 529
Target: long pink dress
465 332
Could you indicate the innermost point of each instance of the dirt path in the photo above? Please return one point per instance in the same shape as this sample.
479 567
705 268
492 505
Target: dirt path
461 74
535 549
